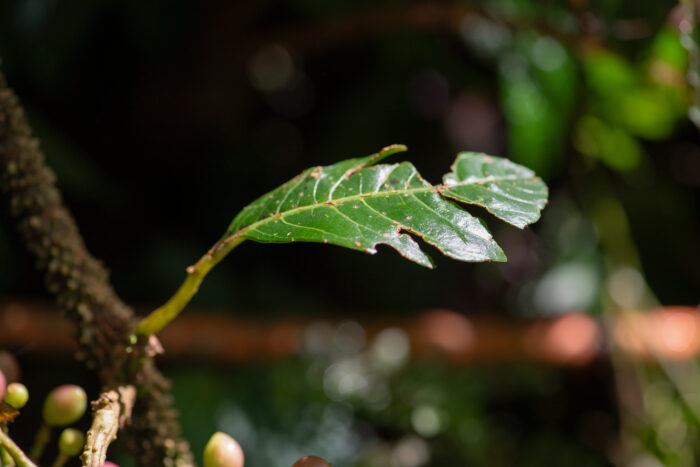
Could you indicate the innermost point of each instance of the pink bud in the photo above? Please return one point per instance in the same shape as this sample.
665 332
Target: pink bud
109 464
3 385
9 366
64 405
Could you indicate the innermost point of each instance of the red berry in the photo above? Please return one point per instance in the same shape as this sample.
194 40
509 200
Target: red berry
311 461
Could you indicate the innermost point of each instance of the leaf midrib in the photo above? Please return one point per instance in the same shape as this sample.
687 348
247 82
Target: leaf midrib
334 203
331 203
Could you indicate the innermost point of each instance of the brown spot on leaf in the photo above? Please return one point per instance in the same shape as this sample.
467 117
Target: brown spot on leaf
316 172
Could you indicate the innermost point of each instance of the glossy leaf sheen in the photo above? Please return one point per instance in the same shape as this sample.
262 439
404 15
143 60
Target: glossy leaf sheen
359 205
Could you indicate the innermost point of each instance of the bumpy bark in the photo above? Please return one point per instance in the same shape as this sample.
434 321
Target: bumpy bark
81 286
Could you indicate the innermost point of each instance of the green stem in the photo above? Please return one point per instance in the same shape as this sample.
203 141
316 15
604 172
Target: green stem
42 438
161 316
60 461
5 458
20 457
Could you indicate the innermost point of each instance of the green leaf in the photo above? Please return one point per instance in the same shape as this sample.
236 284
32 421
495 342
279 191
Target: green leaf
359 205
509 191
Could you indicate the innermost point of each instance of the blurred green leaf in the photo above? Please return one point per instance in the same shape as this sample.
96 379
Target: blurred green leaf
643 111
667 46
613 146
538 88
607 73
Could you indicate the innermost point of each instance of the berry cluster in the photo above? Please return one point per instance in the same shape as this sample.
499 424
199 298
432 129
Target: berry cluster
62 407
66 405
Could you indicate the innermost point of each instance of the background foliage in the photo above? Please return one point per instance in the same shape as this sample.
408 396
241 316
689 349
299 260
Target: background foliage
163 119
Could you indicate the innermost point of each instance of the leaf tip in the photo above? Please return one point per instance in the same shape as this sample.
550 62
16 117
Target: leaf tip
386 152
394 148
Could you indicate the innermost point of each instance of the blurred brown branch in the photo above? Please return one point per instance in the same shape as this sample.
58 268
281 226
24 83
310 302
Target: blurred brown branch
571 339
314 38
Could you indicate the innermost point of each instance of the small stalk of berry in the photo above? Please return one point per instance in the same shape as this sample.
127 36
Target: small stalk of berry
19 457
5 458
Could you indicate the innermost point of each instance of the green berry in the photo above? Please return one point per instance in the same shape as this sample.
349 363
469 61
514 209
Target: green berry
71 442
17 395
311 461
223 451
64 405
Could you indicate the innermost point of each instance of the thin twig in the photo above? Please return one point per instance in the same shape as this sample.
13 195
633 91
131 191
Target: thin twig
110 411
